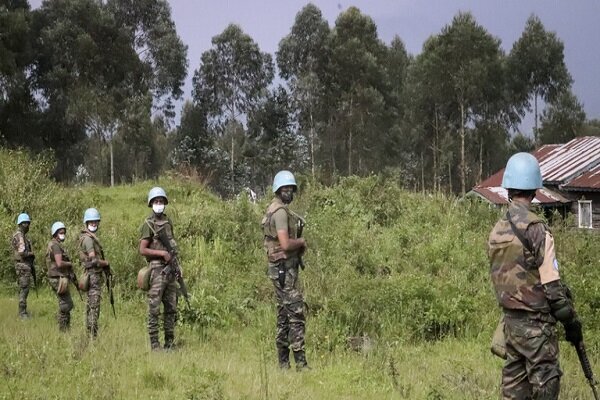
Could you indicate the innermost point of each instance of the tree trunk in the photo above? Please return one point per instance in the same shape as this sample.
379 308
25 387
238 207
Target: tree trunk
462 149
535 129
312 145
112 164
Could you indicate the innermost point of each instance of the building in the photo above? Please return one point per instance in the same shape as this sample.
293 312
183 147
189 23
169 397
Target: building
571 178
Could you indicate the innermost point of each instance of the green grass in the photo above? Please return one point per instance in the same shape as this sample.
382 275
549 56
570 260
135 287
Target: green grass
39 362
407 270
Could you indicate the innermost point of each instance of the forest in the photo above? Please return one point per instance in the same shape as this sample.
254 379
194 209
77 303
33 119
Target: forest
97 86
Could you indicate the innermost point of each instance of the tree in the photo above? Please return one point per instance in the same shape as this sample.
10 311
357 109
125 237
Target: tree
302 59
562 120
537 67
232 78
357 87
460 71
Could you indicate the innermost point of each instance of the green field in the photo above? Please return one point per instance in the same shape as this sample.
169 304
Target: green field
406 270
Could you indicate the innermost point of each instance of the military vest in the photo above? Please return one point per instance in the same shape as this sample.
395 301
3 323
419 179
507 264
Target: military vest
514 269
53 270
156 226
83 256
21 244
271 243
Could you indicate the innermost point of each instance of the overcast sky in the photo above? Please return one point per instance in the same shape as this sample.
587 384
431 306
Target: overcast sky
267 21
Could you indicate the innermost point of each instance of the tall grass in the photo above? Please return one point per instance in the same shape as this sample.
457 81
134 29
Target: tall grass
405 273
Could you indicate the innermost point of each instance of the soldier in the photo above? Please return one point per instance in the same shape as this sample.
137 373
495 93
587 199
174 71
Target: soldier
60 272
92 258
163 286
524 271
24 257
284 249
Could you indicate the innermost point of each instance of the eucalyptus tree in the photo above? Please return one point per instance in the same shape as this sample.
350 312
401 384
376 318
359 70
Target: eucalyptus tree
18 112
357 82
302 59
464 63
537 67
230 82
562 120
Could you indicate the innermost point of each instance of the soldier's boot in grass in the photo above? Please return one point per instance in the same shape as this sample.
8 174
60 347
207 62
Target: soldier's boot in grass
300 358
284 358
23 314
169 342
154 344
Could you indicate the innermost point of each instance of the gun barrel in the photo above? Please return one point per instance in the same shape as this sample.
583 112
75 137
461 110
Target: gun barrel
586 367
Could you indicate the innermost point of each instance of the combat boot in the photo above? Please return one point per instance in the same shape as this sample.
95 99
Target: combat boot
154 344
23 314
284 358
300 358
169 342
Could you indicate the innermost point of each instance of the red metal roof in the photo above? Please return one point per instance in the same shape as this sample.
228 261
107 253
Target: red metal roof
571 166
499 195
589 180
570 160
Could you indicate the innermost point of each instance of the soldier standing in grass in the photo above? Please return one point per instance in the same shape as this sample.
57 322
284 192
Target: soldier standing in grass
91 256
524 271
60 272
24 258
163 286
284 249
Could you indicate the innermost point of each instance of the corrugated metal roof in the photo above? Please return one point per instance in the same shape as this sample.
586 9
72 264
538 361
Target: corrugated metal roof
589 180
499 195
570 160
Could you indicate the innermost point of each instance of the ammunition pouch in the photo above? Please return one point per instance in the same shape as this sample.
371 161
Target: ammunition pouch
498 346
143 278
63 285
84 282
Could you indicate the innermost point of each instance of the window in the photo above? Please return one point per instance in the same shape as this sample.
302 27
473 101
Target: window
585 214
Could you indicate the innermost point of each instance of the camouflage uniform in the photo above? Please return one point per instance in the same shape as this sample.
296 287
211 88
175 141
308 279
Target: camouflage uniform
88 243
23 257
519 272
65 303
163 288
284 273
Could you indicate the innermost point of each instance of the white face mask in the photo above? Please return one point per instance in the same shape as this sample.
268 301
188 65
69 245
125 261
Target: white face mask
61 237
92 228
158 208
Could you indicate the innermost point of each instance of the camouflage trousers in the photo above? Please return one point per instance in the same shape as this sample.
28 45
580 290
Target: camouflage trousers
290 308
531 370
94 298
24 280
163 289
65 305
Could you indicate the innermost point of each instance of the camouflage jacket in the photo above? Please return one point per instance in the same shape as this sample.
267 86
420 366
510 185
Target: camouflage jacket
150 230
53 270
271 243
519 270
21 248
84 257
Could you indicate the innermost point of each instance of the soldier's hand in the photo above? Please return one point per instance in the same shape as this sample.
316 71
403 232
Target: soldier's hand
167 256
573 332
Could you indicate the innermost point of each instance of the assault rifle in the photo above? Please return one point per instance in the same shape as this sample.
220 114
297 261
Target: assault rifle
34 276
587 368
173 265
75 282
109 283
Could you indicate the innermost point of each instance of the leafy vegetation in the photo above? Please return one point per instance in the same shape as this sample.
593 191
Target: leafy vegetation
397 286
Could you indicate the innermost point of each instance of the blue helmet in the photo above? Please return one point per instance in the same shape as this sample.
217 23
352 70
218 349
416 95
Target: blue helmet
522 172
23 217
283 178
91 214
56 226
157 192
